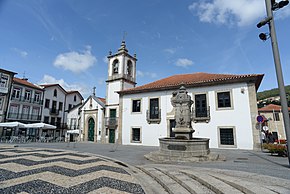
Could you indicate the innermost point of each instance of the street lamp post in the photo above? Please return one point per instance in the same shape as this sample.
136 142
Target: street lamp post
272 5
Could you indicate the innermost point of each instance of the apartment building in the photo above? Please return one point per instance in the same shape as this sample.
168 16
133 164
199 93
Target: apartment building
25 105
6 78
57 102
26 102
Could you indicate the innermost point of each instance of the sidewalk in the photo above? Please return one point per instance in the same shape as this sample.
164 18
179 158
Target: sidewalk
241 160
244 171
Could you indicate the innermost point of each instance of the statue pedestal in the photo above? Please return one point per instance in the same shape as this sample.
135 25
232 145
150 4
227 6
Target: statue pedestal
181 150
183 132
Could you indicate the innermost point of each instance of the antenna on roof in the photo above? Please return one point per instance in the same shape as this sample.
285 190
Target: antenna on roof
24 78
124 35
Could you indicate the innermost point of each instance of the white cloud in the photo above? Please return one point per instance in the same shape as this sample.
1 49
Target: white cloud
283 13
76 61
170 50
229 12
105 59
146 74
82 88
22 53
184 62
101 81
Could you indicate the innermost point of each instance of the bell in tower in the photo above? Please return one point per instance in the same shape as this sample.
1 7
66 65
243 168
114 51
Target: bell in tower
122 67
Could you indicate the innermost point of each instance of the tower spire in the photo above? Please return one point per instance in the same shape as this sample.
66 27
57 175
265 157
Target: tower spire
123 47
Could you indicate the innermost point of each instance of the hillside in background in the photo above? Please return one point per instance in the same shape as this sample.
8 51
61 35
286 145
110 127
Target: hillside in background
271 93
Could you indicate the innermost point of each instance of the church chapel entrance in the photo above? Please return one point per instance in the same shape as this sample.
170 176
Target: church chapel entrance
91 131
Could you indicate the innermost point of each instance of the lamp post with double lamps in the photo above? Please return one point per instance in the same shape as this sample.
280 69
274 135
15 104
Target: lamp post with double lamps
272 5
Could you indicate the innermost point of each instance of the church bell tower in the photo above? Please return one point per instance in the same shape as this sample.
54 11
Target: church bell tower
121 76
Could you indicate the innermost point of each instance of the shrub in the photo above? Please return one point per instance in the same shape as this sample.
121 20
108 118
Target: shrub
279 149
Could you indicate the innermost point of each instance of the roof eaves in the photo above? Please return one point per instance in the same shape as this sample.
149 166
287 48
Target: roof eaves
235 79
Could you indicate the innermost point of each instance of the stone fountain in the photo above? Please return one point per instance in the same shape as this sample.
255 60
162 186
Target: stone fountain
183 147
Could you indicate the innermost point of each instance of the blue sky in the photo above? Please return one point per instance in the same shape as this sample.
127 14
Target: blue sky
67 41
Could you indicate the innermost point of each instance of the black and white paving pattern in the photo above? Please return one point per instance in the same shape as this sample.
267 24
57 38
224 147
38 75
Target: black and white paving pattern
33 170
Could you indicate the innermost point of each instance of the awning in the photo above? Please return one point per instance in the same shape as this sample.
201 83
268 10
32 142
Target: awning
40 125
13 124
76 131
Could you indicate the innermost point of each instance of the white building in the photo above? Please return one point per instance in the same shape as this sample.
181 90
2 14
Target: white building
224 110
88 118
121 76
274 121
57 102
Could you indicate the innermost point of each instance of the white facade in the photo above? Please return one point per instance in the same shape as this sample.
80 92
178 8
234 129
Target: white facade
79 117
73 118
92 109
238 117
57 103
72 99
53 106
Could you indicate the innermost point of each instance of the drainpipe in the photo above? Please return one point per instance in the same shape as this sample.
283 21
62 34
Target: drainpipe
63 114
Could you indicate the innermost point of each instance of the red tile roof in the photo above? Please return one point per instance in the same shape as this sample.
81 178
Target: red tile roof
271 107
26 83
102 99
194 80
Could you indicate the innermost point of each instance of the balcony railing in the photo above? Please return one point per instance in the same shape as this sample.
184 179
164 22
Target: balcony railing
72 127
201 114
3 89
29 117
118 76
111 122
58 125
54 111
153 118
30 100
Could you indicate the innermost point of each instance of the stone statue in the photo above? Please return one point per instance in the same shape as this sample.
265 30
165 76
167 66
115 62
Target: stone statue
182 102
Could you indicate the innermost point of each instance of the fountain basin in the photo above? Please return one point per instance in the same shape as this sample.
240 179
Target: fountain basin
181 150
195 147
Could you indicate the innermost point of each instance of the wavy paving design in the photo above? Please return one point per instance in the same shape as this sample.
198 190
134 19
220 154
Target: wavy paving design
2 156
53 171
27 162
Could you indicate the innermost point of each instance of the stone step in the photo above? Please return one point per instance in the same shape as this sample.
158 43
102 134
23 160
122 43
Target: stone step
149 183
243 185
253 182
190 184
169 184
211 182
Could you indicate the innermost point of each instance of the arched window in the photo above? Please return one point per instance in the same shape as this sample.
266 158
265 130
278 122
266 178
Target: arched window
55 93
115 66
75 98
129 67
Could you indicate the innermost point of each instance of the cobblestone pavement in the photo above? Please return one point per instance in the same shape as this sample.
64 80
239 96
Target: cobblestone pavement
90 168
36 170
